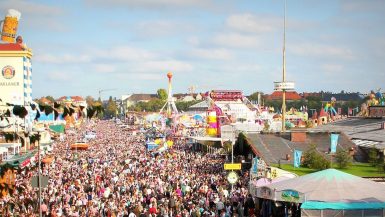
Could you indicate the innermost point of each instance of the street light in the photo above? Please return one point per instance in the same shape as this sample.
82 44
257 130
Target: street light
39 130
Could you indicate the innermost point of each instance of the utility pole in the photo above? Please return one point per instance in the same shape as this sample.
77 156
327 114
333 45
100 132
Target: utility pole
103 90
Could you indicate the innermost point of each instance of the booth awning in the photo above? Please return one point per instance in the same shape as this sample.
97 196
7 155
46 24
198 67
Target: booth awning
207 138
57 128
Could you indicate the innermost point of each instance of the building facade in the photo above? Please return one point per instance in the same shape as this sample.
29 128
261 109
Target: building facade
16 74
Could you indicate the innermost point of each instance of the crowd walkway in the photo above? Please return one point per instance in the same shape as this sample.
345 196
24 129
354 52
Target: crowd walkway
117 177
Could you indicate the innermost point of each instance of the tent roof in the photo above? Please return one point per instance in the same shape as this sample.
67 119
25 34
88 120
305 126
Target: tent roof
333 186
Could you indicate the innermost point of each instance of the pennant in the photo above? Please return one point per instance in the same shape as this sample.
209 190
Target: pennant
297 158
333 142
254 168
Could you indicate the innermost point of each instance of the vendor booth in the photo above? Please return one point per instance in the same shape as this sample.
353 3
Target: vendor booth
325 193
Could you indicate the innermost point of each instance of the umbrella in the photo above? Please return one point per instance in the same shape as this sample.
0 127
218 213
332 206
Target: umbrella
198 117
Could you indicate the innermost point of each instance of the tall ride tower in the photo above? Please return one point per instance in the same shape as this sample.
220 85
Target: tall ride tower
284 85
170 100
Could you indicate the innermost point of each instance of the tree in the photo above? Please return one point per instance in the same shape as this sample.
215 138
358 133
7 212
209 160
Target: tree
314 160
111 108
50 98
254 96
162 94
241 146
90 100
227 147
343 159
373 157
183 106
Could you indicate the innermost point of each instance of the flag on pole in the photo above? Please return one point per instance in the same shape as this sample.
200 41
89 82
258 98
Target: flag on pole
333 142
254 168
297 158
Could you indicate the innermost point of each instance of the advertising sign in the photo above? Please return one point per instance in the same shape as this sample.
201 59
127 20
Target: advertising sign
232 166
279 86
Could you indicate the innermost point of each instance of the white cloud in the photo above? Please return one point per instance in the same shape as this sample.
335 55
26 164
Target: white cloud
30 8
193 40
157 28
142 76
37 16
59 76
330 67
62 59
236 40
123 53
321 50
164 66
258 24
252 23
363 6
152 4
217 54
104 68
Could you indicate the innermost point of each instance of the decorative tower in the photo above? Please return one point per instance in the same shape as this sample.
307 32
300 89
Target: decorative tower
16 74
170 100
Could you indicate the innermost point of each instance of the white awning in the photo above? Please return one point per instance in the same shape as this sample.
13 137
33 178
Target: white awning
10 145
207 138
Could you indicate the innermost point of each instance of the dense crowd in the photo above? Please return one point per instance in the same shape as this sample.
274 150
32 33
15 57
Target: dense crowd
116 176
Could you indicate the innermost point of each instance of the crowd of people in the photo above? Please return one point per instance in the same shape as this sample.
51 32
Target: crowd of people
117 176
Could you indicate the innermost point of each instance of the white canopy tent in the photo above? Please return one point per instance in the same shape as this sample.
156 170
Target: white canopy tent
329 191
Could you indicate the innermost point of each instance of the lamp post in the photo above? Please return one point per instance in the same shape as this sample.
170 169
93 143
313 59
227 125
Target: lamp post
38 169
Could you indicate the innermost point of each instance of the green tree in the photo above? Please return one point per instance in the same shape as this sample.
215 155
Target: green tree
90 100
241 146
373 157
183 106
227 147
111 108
162 94
343 159
314 160
254 96
50 98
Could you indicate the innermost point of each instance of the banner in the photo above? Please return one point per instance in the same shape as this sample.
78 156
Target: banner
254 168
297 158
333 142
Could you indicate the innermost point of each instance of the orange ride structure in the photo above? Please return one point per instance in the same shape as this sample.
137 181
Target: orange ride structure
171 107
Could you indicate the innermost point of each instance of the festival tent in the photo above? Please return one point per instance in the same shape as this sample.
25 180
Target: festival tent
329 191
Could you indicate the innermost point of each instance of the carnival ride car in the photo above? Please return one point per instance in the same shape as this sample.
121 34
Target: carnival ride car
80 146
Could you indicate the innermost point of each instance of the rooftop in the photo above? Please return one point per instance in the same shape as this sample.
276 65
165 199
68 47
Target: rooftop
10 47
290 95
358 128
274 147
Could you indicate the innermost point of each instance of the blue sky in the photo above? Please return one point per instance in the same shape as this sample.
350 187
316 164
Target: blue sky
81 47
